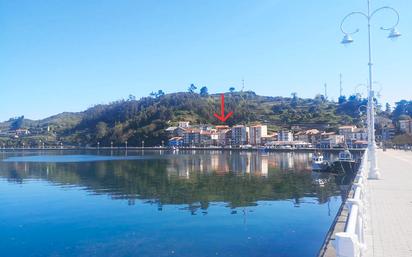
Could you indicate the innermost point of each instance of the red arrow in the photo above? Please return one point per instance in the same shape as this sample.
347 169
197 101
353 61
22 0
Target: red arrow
222 116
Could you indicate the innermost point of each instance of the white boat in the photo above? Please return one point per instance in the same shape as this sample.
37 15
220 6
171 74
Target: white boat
319 163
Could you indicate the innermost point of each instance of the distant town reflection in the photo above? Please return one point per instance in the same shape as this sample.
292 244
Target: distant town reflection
195 178
192 203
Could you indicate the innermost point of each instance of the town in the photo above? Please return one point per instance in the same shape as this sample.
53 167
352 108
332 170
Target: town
350 136
184 134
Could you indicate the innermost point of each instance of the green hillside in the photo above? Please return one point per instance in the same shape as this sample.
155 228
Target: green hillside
146 119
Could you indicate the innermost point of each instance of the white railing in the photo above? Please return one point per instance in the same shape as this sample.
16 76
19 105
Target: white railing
351 242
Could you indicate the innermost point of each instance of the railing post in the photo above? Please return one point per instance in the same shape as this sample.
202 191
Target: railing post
346 245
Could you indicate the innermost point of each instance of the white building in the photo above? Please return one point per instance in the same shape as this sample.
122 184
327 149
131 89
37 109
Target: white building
285 136
184 124
352 133
240 135
256 133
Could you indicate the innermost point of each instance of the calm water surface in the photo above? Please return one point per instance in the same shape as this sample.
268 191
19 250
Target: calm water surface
153 203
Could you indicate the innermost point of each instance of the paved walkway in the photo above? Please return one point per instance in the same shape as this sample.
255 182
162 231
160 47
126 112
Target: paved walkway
389 232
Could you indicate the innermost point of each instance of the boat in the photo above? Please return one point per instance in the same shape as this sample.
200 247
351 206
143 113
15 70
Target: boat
319 163
345 163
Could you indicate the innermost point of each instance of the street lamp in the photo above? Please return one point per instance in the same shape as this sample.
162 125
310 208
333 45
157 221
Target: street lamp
347 39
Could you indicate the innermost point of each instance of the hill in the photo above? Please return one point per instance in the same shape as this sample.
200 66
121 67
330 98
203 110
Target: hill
147 118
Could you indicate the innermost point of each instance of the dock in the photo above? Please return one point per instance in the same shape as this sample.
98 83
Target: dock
376 219
389 230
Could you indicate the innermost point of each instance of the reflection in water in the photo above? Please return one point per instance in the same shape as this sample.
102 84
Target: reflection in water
192 178
191 203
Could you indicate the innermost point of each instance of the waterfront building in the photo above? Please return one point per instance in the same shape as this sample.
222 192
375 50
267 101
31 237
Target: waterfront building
175 131
346 130
388 132
240 135
22 132
352 133
221 137
331 140
308 136
228 137
256 133
221 127
191 137
206 138
170 131
175 141
269 139
285 136
406 126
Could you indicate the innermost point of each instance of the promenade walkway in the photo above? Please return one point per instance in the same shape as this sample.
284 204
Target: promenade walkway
389 231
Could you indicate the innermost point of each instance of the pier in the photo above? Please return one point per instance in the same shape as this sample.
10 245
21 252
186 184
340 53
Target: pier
389 230
376 219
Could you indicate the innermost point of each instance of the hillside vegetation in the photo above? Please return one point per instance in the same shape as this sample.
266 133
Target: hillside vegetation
147 118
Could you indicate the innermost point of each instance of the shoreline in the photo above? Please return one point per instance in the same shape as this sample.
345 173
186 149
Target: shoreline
251 149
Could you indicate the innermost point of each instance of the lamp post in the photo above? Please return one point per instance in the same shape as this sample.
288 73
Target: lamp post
347 39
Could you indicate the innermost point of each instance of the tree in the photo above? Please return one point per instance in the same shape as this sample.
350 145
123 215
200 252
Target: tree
403 107
388 108
294 101
192 88
402 139
204 91
17 123
342 99
231 89
160 93
101 130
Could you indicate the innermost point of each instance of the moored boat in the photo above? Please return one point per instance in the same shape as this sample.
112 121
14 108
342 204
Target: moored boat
319 163
345 163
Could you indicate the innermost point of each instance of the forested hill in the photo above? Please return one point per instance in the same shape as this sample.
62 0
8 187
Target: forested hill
146 119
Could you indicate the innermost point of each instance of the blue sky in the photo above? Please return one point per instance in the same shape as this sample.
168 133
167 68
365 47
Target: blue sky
68 55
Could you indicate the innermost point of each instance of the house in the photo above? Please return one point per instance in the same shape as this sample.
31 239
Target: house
191 137
285 136
360 144
308 136
175 131
228 137
206 138
331 140
176 142
352 134
240 135
344 130
405 126
269 139
22 132
388 132
171 131
184 124
256 133
222 127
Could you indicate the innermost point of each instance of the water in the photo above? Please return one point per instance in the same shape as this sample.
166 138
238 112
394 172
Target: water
204 203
